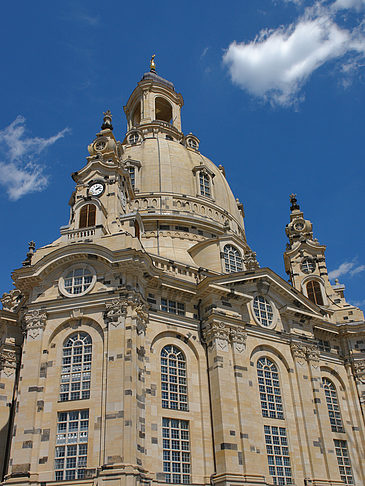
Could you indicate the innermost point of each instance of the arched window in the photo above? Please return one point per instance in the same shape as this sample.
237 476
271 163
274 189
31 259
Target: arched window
332 405
314 292
163 110
204 184
136 118
173 378
232 259
76 367
269 387
87 216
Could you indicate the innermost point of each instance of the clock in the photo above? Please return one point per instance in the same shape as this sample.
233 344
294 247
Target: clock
96 189
100 145
299 226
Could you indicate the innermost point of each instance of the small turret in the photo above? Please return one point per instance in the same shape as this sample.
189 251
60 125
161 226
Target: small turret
305 263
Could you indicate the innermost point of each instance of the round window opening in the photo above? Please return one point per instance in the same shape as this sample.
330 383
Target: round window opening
263 311
100 145
308 265
77 281
192 143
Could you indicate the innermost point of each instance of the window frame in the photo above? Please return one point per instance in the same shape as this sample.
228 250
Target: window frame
174 385
65 435
273 323
333 405
61 282
316 290
77 368
267 388
86 207
176 441
227 259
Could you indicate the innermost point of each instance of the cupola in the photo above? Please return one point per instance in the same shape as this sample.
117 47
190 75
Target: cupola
154 107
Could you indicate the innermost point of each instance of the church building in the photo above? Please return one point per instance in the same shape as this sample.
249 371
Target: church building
146 346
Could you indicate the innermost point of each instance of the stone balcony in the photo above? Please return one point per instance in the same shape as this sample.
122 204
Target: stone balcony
82 234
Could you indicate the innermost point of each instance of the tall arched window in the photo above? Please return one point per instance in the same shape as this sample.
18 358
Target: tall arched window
76 367
332 405
269 387
204 184
173 378
163 110
314 292
87 216
232 259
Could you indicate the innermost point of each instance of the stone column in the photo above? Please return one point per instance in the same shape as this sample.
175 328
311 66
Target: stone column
26 431
126 319
318 465
225 418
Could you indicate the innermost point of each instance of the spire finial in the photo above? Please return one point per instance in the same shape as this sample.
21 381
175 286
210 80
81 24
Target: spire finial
107 120
152 64
293 201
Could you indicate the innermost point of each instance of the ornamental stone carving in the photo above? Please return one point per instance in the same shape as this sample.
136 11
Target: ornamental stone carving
7 359
250 261
359 370
35 322
238 339
298 350
116 309
303 352
313 354
142 318
11 300
219 334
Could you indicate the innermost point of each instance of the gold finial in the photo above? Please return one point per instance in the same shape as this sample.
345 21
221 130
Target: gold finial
152 64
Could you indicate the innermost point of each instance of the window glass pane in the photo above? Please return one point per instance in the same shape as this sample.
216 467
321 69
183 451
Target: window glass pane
77 348
278 456
70 460
176 455
173 365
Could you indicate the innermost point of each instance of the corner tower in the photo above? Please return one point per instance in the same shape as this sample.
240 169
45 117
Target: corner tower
305 263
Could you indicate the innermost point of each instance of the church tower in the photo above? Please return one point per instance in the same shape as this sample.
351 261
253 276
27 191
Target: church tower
305 263
145 346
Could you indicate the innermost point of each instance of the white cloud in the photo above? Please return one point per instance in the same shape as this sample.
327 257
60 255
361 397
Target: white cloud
343 269
344 4
20 170
356 270
276 64
346 268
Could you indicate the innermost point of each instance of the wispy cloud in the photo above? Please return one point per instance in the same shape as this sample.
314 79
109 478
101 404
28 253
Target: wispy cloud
346 268
278 62
20 169
92 20
347 4
204 51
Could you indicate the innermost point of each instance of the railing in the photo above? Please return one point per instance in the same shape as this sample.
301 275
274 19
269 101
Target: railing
83 233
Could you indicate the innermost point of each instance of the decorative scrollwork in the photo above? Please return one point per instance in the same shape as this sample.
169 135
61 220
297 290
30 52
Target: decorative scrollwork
309 352
298 350
8 359
358 367
219 334
35 322
11 300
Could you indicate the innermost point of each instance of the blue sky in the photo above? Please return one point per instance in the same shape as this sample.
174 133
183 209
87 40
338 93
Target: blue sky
273 89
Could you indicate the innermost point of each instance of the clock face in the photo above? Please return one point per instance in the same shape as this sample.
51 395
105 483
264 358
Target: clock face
299 226
100 145
96 189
